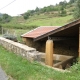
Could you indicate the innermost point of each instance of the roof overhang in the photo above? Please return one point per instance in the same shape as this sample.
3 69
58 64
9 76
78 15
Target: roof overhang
68 30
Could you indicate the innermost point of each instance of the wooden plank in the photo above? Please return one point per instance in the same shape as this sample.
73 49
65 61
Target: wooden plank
62 38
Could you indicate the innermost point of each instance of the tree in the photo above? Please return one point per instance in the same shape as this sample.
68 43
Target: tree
5 18
62 11
76 14
37 9
26 15
63 3
72 1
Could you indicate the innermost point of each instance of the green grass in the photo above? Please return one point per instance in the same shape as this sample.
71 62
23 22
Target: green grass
36 21
19 32
52 21
20 69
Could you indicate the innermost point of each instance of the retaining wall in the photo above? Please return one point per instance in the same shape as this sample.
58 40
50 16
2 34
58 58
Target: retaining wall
29 53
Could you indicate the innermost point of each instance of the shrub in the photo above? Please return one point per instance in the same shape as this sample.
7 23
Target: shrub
10 37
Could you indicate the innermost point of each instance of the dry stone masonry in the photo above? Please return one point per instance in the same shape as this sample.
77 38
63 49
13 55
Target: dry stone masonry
30 53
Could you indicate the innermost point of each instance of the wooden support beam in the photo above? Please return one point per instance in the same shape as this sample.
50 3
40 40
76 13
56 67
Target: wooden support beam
49 53
62 38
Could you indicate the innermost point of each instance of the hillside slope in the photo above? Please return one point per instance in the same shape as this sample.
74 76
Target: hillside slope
37 20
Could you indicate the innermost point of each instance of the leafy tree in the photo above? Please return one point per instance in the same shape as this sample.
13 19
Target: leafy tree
72 1
76 14
37 9
43 10
31 12
26 15
5 18
63 3
62 12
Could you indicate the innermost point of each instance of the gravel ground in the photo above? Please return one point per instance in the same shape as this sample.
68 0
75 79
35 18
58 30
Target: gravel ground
3 75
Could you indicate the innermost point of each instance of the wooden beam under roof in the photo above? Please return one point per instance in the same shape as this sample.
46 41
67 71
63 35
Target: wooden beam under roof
63 38
67 26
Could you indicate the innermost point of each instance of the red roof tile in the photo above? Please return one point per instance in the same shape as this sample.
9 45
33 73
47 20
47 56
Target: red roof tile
39 31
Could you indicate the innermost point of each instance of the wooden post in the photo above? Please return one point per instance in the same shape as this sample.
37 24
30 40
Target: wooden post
79 42
49 53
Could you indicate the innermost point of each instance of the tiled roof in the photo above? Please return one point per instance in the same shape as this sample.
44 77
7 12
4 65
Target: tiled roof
39 31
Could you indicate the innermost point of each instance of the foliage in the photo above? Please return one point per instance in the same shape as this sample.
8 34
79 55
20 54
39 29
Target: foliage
72 1
38 20
53 9
63 12
50 15
48 20
10 36
26 15
37 9
63 3
20 32
77 10
5 18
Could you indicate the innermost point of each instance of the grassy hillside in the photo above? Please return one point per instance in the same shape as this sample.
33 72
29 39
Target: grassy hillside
48 21
52 15
21 26
36 21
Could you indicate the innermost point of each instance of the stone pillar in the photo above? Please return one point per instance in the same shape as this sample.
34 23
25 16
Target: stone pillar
49 53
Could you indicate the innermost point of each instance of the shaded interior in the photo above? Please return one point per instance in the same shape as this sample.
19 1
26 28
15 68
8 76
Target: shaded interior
60 61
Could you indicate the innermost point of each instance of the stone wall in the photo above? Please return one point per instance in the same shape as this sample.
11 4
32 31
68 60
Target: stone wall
39 45
64 47
29 53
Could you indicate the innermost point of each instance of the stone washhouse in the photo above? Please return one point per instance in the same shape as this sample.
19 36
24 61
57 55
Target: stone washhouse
66 39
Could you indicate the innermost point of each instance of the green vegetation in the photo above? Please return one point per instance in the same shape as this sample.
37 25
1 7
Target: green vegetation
38 20
53 15
19 32
61 9
77 10
48 21
4 18
19 68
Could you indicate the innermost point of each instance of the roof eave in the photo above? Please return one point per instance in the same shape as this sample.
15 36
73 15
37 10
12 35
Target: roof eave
73 23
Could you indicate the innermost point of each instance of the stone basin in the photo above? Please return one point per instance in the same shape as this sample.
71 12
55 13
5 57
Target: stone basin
59 61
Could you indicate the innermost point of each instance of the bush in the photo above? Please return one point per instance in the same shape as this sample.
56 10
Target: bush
10 37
